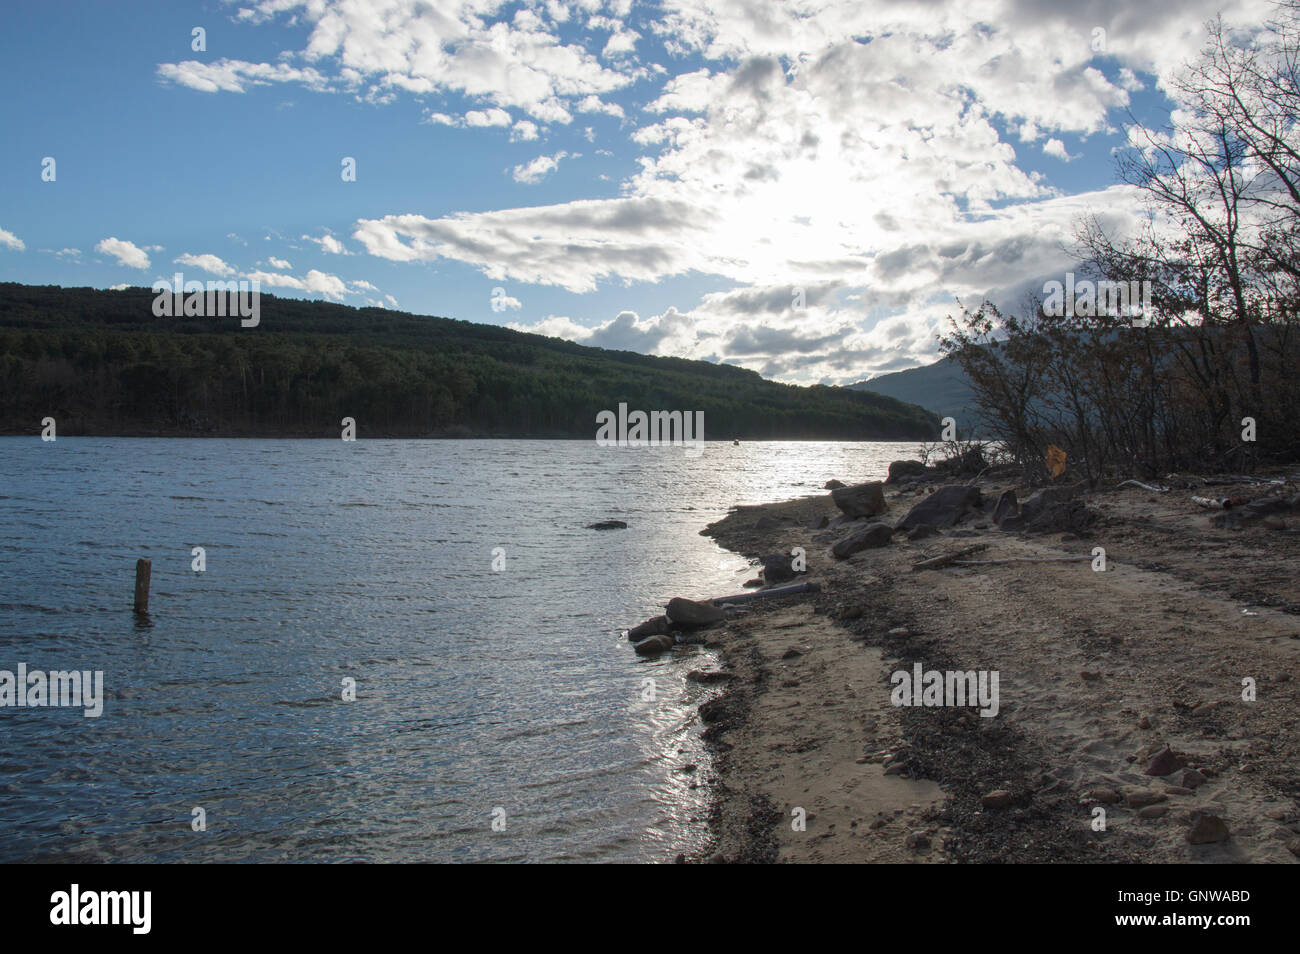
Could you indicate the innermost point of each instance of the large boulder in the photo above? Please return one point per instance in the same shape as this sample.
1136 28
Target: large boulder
860 500
904 468
777 568
869 537
943 508
833 484
692 614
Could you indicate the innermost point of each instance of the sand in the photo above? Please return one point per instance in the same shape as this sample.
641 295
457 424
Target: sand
1098 671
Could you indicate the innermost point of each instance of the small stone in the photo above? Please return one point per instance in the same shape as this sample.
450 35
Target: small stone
1147 722
1142 797
1192 779
899 632
1107 796
1164 762
1153 811
654 645
1090 675
917 841
707 677
791 653
1177 790
1293 846
999 798
1207 829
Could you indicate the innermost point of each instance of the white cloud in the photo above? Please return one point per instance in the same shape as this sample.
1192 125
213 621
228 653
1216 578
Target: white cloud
207 262
125 252
237 76
523 131
279 263
422 47
11 241
1056 148
331 286
538 169
329 244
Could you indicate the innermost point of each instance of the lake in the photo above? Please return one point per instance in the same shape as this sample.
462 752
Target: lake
482 694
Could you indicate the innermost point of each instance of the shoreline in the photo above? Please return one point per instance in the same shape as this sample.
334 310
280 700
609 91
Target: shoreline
1100 672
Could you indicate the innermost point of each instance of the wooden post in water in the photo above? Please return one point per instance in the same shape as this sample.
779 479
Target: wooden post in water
143 568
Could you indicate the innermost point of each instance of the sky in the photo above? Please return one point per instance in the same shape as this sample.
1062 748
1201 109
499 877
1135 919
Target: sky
805 188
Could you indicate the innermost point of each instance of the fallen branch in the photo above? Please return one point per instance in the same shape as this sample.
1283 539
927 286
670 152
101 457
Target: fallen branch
792 590
1155 489
1066 559
949 558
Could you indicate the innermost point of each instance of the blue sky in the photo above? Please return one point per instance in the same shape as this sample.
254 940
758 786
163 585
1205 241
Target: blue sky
663 177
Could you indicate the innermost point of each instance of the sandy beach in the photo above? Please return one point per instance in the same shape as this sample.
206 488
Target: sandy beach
1100 671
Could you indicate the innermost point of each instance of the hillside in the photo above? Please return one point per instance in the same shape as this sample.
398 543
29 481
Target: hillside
941 388
100 363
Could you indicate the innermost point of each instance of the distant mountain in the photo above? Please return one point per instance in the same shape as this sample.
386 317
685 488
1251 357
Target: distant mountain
101 363
941 388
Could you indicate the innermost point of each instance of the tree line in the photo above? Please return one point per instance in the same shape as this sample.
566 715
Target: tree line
100 363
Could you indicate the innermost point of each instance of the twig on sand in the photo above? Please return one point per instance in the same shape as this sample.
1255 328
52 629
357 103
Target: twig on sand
1062 559
948 558
1151 487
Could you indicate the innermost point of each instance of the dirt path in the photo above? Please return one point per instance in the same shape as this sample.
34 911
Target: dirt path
1098 671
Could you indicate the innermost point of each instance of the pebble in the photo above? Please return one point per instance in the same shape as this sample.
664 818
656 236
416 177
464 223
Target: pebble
999 798
1153 811
1207 829
1142 797
1107 796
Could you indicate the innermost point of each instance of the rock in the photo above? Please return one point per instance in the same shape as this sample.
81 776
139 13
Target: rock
860 500
1051 510
791 653
777 569
693 614
1007 506
1164 762
899 632
820 523
1207 829
1177 790
1147 722
607 525
833 485
921 532
943 508
657 626
869 537
917 841
1153 811
766 523
707 677
1142 797
1192 779
904 468
1090 675
1107 796
1293 846
999 798
716 709
653 645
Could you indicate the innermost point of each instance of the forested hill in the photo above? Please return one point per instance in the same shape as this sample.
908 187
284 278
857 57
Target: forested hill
101 363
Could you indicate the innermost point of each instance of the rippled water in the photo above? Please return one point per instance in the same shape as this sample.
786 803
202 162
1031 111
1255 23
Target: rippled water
477 689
